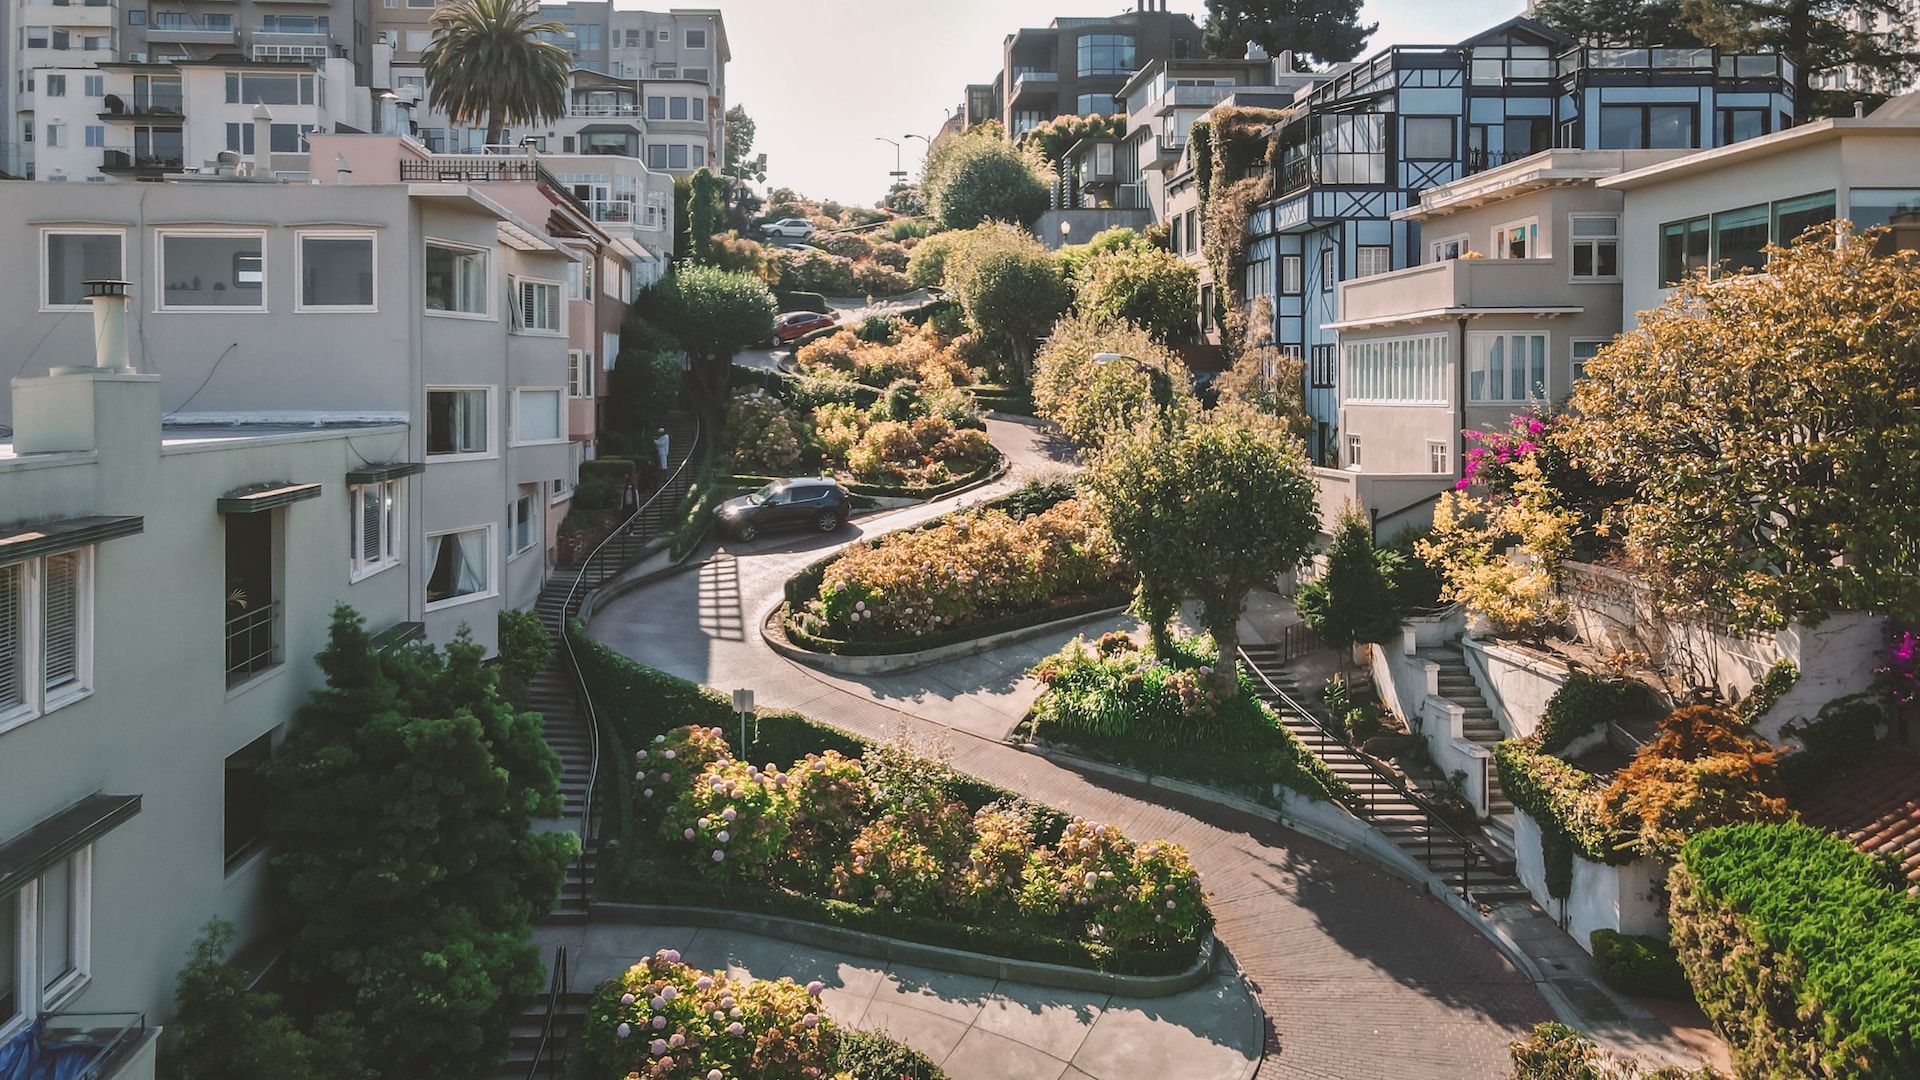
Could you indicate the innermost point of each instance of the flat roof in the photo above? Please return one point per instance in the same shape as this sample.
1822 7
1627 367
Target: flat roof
1779 142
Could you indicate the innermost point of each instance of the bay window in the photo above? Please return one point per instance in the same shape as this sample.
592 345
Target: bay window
456 280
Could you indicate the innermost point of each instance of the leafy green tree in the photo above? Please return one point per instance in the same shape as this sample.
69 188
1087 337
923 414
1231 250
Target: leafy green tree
713 314
1354 600
1091 403
1151 289
645 382
978 178
1768 426
1635 24
928 265
742 167
487 61
1820 37
1214 509
706 210
1051 139
1327 31
1015 295
525 648
405 798
222 1032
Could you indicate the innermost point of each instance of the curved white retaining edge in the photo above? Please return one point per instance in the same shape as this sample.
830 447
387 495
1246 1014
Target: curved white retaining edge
838 664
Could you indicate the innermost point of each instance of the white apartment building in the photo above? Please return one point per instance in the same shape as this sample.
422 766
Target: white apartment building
162 590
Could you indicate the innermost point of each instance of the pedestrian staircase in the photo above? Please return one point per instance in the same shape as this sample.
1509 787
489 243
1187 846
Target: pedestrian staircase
1457 685
534 1045
1460 861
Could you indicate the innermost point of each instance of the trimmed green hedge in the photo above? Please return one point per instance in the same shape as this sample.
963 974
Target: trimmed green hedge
1803 952
635 702
1004 399
969 632
804 393
868 1055
1639 966
608 468
795 300
1560 799
1583 703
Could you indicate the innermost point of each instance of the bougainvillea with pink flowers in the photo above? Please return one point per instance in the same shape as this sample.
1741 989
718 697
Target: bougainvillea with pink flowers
1900 674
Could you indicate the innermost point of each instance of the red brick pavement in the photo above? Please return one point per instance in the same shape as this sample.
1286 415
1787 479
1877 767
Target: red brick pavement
1360 975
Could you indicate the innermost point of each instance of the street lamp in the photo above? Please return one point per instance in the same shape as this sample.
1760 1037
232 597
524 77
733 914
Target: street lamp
1157 375
899 175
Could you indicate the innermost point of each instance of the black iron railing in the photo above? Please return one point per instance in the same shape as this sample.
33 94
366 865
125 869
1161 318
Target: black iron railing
543 1053
1378 782
250 647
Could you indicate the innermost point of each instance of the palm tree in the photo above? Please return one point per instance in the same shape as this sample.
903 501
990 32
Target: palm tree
487 60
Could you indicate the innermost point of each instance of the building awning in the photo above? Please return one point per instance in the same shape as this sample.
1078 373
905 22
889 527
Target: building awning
22 542
272 495
376 474
1452 313
31 853
609 129
633 248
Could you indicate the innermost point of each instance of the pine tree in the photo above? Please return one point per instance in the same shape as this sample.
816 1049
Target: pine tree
405 797
1325 31
1354 600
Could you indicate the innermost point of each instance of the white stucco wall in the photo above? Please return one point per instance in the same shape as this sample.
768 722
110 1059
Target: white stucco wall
1602 897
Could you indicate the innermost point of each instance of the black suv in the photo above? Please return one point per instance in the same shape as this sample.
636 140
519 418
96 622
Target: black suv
811 502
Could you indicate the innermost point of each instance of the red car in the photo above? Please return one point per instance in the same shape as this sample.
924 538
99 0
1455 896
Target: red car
795 323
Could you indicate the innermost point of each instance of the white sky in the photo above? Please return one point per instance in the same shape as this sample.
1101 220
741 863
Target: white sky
823 79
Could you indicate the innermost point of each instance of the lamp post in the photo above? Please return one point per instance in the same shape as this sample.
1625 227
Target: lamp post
1157 375
899 175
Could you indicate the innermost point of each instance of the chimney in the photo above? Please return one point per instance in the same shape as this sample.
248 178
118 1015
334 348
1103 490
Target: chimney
1859 110
109 300
262 142
1256 51
1283 64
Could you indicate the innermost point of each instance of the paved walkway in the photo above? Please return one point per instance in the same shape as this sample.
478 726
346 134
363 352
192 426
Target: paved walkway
1359 974
973 1027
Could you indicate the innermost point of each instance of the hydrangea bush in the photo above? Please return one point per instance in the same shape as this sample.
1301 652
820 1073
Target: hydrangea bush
664 1020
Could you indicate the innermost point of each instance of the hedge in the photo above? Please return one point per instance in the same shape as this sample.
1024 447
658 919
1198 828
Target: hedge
634 702
1005 399
969 632
609 468
795 300
1639 966
1803 952
1582 703
804 392
867 1055
1562 800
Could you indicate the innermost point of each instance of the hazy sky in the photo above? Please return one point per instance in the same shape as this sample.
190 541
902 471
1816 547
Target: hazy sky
823 78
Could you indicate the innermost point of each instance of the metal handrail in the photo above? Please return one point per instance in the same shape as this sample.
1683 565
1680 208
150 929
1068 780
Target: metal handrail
556 989
137 1025
1470 853
573 660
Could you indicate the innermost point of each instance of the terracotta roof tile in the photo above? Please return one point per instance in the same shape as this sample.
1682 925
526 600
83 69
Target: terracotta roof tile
1875 805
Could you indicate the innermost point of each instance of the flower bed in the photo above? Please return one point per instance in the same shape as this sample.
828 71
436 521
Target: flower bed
887 823
1167 717
966 569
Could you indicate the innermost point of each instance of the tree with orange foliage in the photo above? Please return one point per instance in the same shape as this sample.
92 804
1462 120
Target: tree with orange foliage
1702 770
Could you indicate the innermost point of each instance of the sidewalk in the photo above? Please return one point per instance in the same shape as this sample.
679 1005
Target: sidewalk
975 1028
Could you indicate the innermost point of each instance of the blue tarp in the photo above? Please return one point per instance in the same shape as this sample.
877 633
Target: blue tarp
23 1058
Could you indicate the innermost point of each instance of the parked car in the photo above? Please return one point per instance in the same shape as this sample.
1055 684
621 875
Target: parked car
811 502
789 227
794 324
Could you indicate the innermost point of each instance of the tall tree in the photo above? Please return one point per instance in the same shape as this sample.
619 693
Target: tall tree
979 177
1017 296
713 314
706 211
1325 31
742 167
1819 36
1149 288
1636 24
1216 509
406 794
1354 600
486 61
1770 427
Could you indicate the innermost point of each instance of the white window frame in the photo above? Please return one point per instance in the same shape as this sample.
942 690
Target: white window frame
46 283
160 238
1475 350
1502 233
493 425
1292 274
1439 457
1575 241
1576 366
1353 452
557 307
1397 371
579 373
560 397
300 267
1450 247
529 502
358 568
35 1000
493 574
36 699
1329 269
1363 252
487 298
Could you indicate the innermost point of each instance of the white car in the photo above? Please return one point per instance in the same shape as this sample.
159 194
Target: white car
789 227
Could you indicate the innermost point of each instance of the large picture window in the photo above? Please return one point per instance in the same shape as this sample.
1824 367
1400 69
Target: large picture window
46 932
213 271
336 272
1506 367
1106 54
1409 370
1896 208
456 280
1740 240
74 257
460 567
537 416
1596 247
457 422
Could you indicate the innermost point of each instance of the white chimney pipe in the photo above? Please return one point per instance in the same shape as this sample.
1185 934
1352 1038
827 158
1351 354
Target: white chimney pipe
262 141
109 300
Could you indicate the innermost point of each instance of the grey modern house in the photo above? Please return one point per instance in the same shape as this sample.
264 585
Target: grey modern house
1075 66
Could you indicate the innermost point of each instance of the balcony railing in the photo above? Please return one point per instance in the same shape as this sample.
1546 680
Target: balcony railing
88 1046
1296 174
1482 160
470 168
1169 147
631 110
250 645
124 158
623 211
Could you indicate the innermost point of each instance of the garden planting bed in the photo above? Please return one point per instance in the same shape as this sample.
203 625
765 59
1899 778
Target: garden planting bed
870 838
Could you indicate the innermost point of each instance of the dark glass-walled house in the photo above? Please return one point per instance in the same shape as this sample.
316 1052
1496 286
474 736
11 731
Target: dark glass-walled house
1369 139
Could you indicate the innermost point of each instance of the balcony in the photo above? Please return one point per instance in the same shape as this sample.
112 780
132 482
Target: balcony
617 211
1033 80
1459 287
193 33
122 159
1202 96
74 15
250 641
631 111
96 1046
